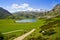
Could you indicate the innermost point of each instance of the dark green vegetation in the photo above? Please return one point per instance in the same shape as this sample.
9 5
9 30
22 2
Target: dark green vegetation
1 36
47 25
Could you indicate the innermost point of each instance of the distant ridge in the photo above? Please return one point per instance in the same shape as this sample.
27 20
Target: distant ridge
55 11
4 13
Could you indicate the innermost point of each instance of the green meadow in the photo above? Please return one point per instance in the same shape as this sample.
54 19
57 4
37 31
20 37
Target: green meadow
8 25
11 25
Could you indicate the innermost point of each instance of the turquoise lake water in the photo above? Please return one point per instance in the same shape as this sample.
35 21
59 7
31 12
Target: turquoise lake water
26 20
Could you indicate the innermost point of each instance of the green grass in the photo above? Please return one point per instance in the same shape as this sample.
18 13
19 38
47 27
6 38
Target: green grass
11 25
37 33
57 34
7 25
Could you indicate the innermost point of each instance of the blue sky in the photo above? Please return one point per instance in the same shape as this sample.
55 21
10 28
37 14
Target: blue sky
31 5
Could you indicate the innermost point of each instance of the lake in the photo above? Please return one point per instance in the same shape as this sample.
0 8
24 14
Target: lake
26 20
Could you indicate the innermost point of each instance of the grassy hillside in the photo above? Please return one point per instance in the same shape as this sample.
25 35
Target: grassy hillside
50 26
48 31
8 25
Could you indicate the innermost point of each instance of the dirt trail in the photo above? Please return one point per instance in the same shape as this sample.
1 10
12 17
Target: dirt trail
25 35
12 31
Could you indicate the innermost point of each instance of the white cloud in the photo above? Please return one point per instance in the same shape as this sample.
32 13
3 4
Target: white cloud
23 7
30 9
16 6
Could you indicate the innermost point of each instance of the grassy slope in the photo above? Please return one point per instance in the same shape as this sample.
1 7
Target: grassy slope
36 34
10 25
57 29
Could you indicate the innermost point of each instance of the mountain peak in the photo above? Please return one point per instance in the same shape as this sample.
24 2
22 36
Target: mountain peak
4 13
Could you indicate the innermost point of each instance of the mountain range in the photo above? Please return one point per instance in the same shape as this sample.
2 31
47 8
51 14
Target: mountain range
29 14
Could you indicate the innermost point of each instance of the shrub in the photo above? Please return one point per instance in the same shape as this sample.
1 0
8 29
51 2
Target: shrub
49 32
10 36
1 36
38 38
57 38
